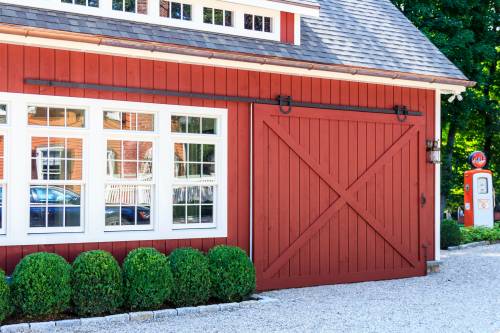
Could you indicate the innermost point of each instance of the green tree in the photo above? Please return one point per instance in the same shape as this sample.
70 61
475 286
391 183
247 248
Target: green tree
468 33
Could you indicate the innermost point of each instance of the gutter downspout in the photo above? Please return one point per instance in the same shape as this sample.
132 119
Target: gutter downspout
251 181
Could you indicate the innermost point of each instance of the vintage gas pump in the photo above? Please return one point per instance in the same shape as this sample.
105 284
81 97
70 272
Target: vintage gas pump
478 193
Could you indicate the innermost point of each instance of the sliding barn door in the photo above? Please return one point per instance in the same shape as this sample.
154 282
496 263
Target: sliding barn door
338 197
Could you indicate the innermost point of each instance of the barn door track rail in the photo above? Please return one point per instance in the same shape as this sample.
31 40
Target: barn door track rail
286 103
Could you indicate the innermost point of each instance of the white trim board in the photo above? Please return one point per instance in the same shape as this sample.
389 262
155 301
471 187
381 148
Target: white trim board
198 60
94 157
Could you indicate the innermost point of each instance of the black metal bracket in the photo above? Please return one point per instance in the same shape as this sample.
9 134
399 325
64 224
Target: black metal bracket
401 112
285 103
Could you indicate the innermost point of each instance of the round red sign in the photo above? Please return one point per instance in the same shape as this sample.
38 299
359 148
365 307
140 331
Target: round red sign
478 159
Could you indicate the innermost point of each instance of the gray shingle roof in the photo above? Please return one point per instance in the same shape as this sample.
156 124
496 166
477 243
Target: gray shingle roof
370 34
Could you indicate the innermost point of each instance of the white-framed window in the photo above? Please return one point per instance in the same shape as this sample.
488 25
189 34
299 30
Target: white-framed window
56 188
94 170
176 10
258 23
131 6
217 16
194 189
89 3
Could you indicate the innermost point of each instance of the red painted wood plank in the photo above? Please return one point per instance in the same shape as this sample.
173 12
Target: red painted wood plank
324 192
91 73
147 79
284 195
4 67
76 71
290 29
294 196
106 75
62 70
47 69
15 54
283 27
133 78
160 80
31 68
120 76
304 183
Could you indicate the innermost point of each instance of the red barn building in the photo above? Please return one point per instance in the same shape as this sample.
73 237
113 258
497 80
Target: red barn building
297 130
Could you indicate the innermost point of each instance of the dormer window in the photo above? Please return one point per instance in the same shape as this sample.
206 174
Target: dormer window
129 6
217 16
175 10
90 3
258 23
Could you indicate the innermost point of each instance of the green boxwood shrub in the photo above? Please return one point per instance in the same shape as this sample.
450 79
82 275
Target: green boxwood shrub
5 306
232 274
477 234
191 277
41 285
450 234
147 279
97 285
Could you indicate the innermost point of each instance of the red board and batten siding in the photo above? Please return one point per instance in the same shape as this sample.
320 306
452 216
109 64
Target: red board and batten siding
20 62
287 27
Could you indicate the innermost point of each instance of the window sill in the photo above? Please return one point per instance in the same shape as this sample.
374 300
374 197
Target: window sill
128 228
37 231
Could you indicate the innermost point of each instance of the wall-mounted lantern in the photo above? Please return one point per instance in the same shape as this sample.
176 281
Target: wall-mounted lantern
433 151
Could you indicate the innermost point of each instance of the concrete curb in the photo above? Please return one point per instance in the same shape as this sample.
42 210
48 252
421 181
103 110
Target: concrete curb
469 245
135 316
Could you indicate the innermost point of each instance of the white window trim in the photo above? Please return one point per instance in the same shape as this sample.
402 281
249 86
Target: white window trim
94 159
4 131
196 23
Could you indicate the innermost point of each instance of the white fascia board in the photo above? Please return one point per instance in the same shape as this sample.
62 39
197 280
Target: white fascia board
236 64
281 6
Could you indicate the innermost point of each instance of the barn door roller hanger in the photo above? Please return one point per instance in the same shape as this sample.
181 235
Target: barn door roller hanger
286 103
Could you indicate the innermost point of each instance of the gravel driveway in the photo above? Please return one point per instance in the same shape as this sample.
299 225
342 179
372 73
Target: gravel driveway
464 297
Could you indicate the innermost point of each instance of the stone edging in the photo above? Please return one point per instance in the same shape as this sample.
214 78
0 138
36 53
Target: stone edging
469 245
49 326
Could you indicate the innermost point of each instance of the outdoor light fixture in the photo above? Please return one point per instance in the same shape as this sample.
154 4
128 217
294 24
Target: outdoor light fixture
433 151
455 96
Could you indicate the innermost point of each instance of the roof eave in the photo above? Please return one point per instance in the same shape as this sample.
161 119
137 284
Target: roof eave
225 55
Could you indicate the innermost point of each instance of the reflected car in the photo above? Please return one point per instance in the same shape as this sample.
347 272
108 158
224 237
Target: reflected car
55 197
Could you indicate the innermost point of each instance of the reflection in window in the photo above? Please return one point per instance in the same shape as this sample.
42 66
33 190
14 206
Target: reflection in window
55 206
217 16
194 160
56 158
3 114
175 10
258 23
193 204
128 121
193 125
56 116
131 6
130 177
90 3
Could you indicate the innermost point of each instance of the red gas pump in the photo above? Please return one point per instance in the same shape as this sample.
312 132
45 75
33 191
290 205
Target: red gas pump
478 193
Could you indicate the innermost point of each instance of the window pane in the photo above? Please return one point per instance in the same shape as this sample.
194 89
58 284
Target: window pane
142 6
207 214
112 216
179 124
72 216
267 24
258 23
114 169
80 2
193 214
208 153
179 195
130 6
194 152
130 151
179 214
114 150
218 17
180 150
145 150
193 125
57 147
180 170
75 118
72 195
55 195
129 121
209 125
208 170
186 12
37 116
207 194
143 215
37 217
94 3
248 22
207 15
56 168
112 120
74 169
164 8
130 170
74 148
128 215
145 122
176 10
194 171
229 18
3 114
38 195
193 194
55 217
67 1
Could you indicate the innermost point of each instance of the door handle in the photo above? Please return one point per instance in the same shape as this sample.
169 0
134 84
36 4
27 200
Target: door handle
423 199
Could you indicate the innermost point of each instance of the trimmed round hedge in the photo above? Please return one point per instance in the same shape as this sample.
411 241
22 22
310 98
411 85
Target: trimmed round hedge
147 279
450 234
191 277
232 274
5 306
97 285
41 285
